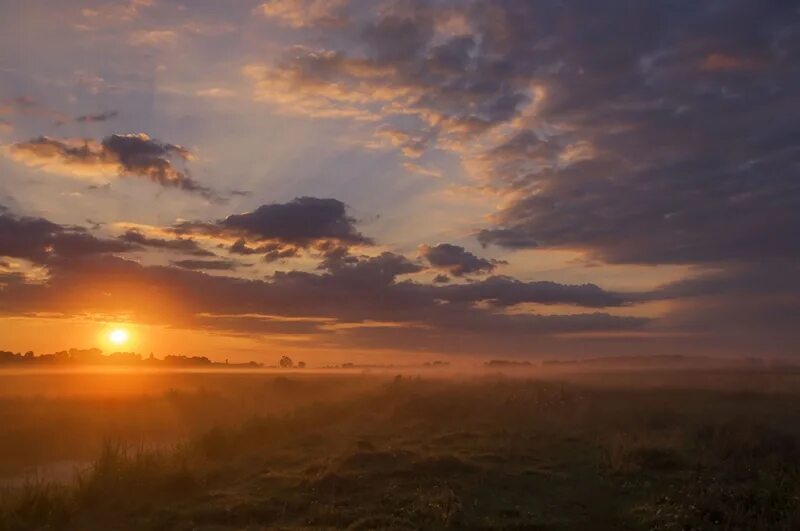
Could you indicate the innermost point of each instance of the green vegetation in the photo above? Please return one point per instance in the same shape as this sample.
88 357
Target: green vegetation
650 451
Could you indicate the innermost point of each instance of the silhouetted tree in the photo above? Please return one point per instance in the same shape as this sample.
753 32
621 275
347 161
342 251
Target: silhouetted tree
286 362
301 365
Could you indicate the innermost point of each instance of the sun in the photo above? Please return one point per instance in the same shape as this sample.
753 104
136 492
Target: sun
118 336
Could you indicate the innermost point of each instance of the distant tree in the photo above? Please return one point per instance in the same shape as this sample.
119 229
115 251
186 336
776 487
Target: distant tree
301 365
286 362
507 363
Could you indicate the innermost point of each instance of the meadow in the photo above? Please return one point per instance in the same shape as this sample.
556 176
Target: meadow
710 449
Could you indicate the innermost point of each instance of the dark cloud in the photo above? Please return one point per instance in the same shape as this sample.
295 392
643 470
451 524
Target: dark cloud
97 117
450 87
352 298
747 308
508 238
302 220
271 251
456 260
182 245
11 278
143 156
282 230
667 143
374 271
672 141
39 240
661 147
353 292
397 39
506 291
740 280
240 247
134 155
216 265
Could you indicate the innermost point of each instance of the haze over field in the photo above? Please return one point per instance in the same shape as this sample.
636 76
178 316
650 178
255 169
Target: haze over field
399 181
586 449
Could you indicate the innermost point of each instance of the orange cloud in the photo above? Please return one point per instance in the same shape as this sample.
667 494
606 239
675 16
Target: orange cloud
152 38
305 13
720 62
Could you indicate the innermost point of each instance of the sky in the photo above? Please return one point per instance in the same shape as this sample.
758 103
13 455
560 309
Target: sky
373 181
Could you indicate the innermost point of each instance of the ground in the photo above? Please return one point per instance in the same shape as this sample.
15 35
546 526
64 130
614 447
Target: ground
649 450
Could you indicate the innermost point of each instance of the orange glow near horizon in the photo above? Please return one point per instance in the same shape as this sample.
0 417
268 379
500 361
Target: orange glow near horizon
47 334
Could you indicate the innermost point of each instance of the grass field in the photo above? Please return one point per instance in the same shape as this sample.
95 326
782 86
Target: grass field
650 450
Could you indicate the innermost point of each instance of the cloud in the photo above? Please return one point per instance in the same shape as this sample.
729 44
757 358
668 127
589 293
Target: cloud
301 220
271 251
116 11
130 155
456 260
717 62
282 230
422 170
449 89
305 13
506 291
750 308
40 241
334 302
653 146
331 303
153 38
668 144
182 245
375 271
97 117
411 143
215 93
215 265
647 149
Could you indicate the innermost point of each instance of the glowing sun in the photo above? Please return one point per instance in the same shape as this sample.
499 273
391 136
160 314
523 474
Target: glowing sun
118 336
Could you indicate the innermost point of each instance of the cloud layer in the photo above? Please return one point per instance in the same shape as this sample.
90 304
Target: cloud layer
340 302
614 176
656 145
40 241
